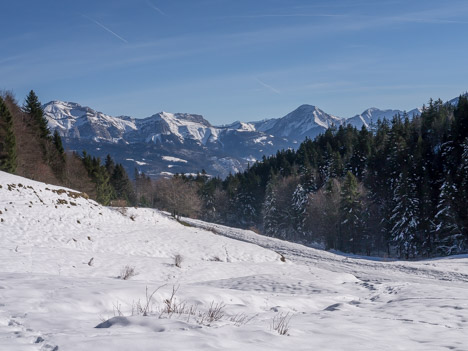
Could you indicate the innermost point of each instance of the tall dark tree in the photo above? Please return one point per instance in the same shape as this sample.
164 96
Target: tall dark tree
33 108
58 143
122 185
7 139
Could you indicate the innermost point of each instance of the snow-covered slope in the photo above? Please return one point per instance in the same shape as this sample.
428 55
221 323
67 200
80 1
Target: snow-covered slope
61 254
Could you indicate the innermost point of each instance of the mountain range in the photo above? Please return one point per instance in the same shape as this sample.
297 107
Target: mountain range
168 143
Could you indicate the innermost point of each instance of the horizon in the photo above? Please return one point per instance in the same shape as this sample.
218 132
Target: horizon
235 61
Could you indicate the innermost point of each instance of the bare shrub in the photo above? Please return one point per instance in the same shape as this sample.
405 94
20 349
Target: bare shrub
170 304
177 196
215 312
171 307
146 308
127 272
178 260
241 319
280 323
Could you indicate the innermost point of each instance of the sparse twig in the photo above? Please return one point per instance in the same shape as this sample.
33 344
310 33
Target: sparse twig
127 272
280 323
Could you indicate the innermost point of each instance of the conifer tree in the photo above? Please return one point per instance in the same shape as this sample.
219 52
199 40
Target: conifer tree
269 210
110 165
448 233
33 107
351 214
7 140
122 185
58 143
405 218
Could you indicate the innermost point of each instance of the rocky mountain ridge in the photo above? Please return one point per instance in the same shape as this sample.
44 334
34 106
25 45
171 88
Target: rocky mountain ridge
148 143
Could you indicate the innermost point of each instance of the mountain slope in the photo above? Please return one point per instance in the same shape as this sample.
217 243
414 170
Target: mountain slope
62 255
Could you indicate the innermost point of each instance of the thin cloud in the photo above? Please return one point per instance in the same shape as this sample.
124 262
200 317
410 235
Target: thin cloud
289 15
105 28
269 87
157 9
428 20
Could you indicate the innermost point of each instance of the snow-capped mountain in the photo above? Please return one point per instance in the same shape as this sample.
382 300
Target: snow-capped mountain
306 120
372 115
220 150
75 121
182 126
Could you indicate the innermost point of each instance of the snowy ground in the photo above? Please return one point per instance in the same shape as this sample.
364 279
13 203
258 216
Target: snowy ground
52 299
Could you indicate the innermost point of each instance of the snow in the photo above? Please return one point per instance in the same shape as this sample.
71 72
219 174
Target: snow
183 126
173 159
50 298
65 116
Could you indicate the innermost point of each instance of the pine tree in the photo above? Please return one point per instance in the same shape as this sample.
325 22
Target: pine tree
405 218
351 213
110 165
33 107
7 140
58 143
300 201
122 185
448 233
269 209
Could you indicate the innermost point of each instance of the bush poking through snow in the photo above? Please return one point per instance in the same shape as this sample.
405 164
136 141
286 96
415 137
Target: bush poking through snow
280 323
146 308
214 313
241 319
171 307
178 261
127 272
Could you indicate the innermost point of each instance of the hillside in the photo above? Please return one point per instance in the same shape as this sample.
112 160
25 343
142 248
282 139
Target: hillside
62 253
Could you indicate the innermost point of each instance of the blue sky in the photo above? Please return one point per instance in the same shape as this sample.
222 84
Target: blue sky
235 59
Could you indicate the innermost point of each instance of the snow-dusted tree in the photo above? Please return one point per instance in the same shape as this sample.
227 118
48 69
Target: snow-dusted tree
351 215
404 219
448 233
464 168
300 202
299 206
270 210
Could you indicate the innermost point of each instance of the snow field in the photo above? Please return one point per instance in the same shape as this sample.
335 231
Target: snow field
52 297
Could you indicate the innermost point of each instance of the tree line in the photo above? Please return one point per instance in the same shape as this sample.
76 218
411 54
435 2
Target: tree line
397 188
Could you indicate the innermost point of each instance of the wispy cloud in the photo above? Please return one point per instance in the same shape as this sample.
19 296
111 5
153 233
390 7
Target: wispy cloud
269 87
288 15
157 9
105 28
